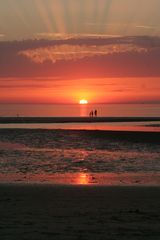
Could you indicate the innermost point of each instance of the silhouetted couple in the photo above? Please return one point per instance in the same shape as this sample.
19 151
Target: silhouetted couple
93 113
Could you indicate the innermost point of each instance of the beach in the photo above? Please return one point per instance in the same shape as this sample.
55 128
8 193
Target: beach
79 184
79 212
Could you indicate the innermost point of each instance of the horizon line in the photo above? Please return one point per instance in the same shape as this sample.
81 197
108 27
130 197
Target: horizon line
77 103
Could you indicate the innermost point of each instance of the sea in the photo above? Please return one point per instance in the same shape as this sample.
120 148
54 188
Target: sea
81 154
77 110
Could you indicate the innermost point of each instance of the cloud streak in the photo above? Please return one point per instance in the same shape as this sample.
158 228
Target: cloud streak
75 52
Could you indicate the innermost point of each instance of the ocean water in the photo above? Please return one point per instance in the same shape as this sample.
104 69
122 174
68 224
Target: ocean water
78 157
57 154
69 110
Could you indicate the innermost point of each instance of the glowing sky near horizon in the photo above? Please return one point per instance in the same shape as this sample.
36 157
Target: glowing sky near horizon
100 50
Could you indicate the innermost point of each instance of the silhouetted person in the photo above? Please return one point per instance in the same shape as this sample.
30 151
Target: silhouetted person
95 113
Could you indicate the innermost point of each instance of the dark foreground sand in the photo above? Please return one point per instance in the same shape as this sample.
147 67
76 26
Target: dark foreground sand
79 212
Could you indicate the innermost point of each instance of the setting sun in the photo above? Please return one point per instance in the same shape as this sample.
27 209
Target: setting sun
83 101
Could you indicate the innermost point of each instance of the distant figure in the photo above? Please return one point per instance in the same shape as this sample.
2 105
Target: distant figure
91 114
95 113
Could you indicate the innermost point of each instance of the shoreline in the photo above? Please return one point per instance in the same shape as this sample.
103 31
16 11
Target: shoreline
8 120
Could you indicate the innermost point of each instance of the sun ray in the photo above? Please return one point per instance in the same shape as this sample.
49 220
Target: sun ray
52 16
41 7
73 16
105 16
67 9
56 10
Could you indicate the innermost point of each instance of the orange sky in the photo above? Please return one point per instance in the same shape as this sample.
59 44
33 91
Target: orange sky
101 50
109 90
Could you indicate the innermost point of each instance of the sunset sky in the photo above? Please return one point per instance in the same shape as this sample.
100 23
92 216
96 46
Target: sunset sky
60 51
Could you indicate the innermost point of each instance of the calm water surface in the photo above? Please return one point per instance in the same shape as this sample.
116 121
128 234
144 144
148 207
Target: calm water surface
66 110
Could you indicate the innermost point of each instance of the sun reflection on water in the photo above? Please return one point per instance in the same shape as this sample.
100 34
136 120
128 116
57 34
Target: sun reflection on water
83 110
83 178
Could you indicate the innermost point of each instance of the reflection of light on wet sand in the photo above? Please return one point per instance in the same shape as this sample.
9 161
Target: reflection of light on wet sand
9 145
102 179
83 179
110 126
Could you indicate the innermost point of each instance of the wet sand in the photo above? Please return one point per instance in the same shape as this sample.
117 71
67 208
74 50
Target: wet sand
79 212
131 136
